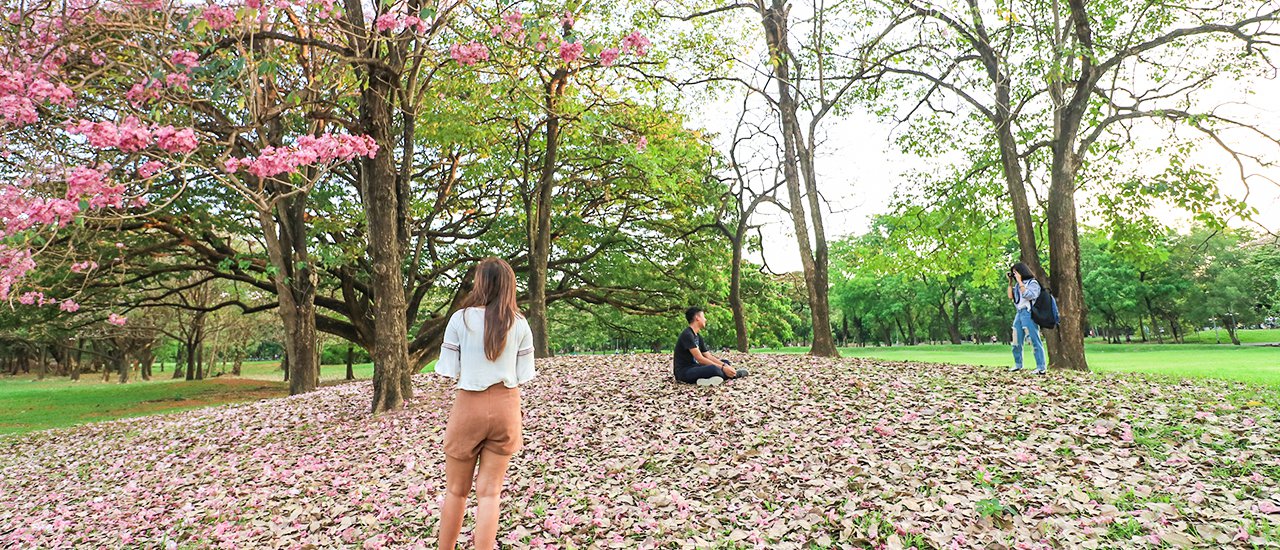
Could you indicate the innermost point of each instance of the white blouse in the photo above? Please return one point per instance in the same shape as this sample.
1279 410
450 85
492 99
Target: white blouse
462 353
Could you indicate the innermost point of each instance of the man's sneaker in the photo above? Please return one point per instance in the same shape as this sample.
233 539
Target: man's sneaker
1040 373
741 373
713 381
1015 369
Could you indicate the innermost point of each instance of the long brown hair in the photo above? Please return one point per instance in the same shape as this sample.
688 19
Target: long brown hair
495 291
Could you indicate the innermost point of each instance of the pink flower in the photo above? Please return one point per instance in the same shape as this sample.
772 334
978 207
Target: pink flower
1242 535
150 168
1266 507
419 25
884 430
609 56
218 17
176 141
185 58
132 135
387 22
14 264
567 20
1204 415
1154 538
513 26
29 298
177 80
117 320
81 267
1023 456
469 54
69 306
307 151
910 417
128 136
514 19
139 94
642 144
1126 433
18 110
570 51
636 43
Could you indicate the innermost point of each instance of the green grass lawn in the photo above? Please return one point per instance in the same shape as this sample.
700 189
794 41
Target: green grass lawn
27 404
1257 364
270 370
1255 336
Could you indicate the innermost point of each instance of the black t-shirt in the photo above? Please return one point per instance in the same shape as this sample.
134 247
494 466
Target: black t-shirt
688 340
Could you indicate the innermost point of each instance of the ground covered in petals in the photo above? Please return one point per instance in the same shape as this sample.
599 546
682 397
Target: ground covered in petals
805 453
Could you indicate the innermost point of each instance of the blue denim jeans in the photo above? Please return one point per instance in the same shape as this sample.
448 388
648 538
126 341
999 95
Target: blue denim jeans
1023 327
692 374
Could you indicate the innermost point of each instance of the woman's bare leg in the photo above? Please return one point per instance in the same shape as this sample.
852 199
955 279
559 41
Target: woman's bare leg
457 474
493 473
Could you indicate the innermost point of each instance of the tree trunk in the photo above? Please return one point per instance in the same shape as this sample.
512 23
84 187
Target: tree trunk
351 356
1231 331
1010 159
735 292
295 281
191 367
284 365
540 218
239 362
43 367
199 359
814 262
953 330
911 326
178 359
1064 256
121 359
73 360
380 194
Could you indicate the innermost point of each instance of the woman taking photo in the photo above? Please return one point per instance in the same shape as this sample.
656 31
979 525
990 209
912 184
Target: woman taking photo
488 348
1023 289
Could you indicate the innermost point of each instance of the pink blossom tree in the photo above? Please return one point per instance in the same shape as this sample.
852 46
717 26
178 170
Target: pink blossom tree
545 54
142 107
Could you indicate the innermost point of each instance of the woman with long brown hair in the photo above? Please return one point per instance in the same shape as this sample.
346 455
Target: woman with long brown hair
488 348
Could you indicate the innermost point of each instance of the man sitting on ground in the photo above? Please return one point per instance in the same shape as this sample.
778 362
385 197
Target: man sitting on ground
692 363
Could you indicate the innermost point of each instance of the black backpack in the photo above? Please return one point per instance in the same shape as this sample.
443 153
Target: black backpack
1044 310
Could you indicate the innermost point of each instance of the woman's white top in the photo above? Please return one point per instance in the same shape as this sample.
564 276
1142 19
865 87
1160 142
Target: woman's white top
462 353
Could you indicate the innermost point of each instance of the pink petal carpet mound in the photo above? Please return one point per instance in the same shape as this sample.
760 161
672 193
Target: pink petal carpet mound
805 453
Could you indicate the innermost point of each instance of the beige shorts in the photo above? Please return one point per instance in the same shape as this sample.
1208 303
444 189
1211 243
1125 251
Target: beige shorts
488 420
